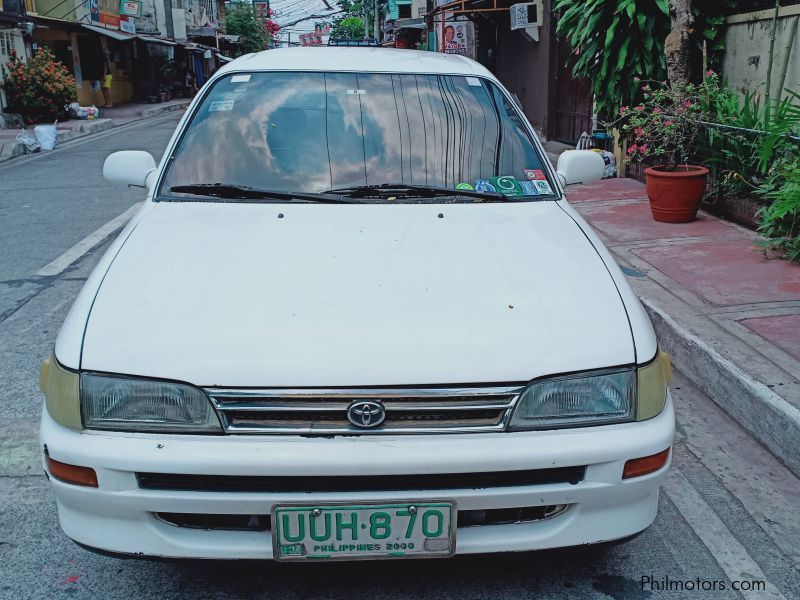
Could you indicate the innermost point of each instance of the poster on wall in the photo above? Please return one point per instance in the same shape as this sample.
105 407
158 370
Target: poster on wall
459 38
109 12
127 24
130 8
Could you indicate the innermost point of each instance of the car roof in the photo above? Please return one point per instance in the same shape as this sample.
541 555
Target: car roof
355 59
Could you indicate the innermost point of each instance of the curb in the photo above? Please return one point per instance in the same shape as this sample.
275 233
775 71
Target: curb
151 112
14 149
771 419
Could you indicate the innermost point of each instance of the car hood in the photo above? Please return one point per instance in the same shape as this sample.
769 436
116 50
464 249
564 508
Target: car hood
343 295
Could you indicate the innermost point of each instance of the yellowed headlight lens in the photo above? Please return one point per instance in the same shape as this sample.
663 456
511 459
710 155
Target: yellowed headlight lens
61 392
653 381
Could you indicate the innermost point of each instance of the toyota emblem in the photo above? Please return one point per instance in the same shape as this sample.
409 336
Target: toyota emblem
366 413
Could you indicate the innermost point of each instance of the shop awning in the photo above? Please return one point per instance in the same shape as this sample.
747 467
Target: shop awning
410 24
154 40
120 36
195 47
233 39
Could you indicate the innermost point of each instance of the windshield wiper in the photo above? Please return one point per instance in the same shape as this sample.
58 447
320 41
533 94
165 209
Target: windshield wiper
243 192
410 190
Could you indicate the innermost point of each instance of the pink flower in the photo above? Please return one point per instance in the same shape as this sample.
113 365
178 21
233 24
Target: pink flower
668 123
645 88
657 111
632 148
687 103
643 149
710 73
623 110
639 132
637 78
640 108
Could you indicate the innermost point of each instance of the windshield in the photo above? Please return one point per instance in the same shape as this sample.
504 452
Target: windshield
320 132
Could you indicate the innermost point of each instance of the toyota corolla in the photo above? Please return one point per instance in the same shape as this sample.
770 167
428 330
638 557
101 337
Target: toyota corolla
355 318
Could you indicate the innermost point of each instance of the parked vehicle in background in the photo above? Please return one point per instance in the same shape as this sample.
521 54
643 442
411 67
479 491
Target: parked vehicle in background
355 319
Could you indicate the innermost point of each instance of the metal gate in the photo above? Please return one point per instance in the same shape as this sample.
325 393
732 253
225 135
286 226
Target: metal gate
570 110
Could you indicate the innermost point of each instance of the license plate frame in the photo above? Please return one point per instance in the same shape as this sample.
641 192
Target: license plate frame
370 505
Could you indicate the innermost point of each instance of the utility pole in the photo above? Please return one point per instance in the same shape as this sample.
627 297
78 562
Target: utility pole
366 19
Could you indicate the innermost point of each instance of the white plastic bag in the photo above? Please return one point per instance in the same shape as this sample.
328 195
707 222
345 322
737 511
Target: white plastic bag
46 135
29 141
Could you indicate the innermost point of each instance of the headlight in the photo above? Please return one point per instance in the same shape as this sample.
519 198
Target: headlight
128 404
590 398
595 397
60 388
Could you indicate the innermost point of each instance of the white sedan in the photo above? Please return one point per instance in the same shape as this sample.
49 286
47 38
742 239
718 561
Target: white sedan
355 318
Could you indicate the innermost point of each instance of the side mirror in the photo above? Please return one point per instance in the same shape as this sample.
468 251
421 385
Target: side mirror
131 167
580 166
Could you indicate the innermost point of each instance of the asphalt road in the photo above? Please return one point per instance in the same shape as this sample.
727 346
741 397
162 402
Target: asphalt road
729 511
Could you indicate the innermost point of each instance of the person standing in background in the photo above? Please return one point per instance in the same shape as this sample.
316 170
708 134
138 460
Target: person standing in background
107 77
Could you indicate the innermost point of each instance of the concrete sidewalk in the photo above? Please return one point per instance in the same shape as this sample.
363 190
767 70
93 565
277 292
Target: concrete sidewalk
109 117
728 315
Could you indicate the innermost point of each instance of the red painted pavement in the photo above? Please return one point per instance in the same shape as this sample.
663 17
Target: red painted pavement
607 189
726 272
625 222
783 331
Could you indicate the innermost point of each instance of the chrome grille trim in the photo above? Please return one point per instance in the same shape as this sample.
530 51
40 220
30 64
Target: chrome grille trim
323 410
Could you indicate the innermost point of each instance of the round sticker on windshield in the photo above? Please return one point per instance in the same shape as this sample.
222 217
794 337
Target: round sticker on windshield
464 186
507 185
484 185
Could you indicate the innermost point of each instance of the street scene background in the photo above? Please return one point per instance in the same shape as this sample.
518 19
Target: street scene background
729 507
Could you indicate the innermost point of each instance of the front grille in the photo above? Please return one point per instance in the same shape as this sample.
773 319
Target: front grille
466 518
358 483
324 411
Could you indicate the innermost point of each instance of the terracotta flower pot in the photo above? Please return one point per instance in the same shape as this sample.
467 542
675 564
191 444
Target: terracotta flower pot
675 195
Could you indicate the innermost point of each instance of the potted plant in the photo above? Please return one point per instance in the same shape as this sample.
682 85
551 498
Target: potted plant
662 133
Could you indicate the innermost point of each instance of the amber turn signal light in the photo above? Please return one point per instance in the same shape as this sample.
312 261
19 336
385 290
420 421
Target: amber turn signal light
636 467
71 474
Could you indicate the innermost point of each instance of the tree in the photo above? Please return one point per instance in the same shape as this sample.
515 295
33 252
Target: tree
619 42
349 28
681 47
350 24
241 19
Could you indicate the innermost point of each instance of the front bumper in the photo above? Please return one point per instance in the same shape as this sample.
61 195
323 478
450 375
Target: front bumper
120 517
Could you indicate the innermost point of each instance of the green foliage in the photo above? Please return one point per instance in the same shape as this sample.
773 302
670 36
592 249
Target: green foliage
780 219
39 89
709 16
619 40
350 28
350 23
241 19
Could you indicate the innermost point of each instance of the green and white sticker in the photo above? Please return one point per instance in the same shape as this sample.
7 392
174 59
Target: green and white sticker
507 185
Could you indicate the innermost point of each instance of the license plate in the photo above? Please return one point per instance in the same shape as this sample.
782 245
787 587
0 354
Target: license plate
364 531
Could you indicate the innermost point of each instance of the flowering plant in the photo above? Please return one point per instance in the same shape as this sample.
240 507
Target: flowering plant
665 128
40 89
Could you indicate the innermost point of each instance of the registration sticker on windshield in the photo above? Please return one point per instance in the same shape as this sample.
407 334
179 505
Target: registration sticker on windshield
528 187
240 78
484 185
356 92
474 81
534 174
221 105
543 187
507 185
